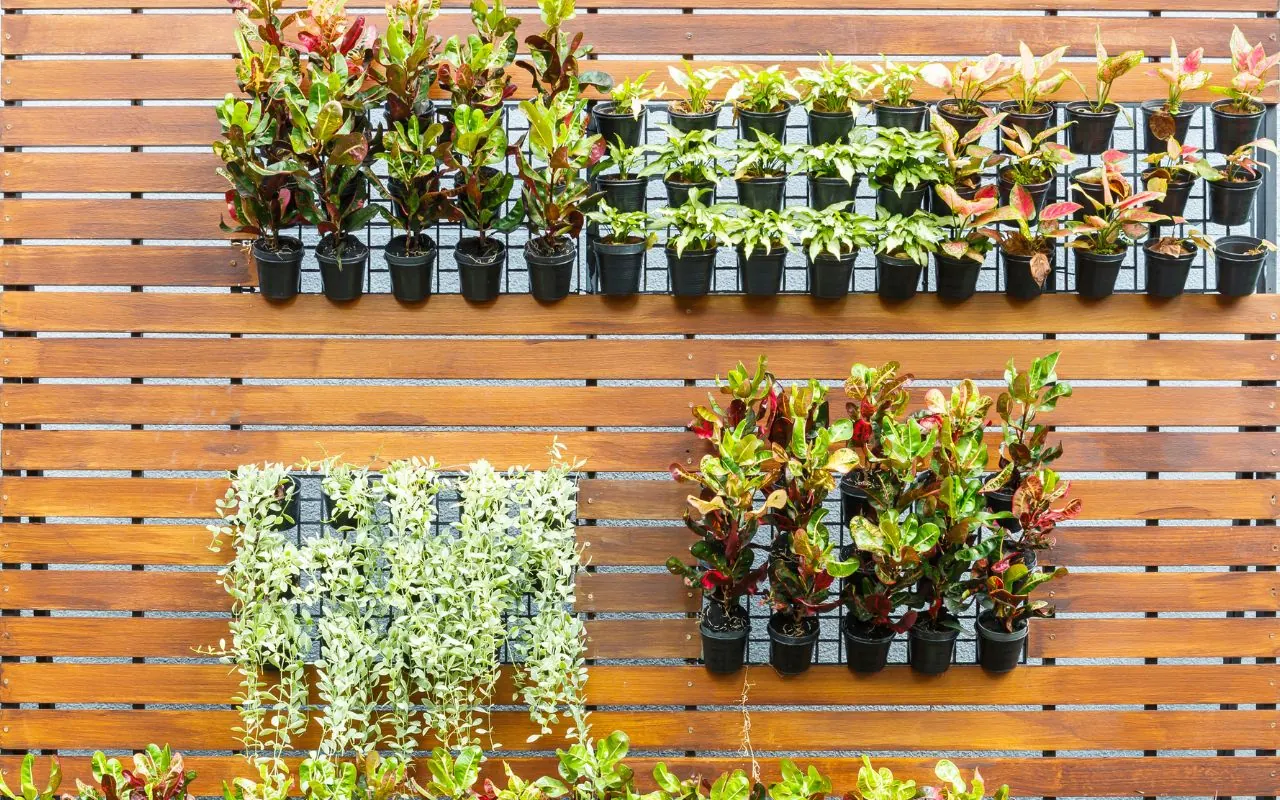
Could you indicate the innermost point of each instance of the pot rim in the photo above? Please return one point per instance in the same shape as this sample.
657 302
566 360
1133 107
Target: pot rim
1104 258
784 638
613 178
700 115
826 257
1000 635
789 104
1084 108
1188 108
1187 254
846 629
1228 115
946 106
1012 105
912 105
621 249
1250 241
606 109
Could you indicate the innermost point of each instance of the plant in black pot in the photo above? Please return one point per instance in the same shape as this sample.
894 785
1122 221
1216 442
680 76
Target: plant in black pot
903 245
415 165
761 169
835 169
688 162
965 83
624 188
264 197
832 237
1236 119
1007 605
966 242
1035 517
889 555
762 240
906 168
699 230
1094 120
478 145
697 110
1177 166
876 397
1234 186
554 190
897 107
761 101
1031 162
620 248
1169 261
1028 252
799 590
622 118
1171 116
830 94
406 63
965 158
1030 87
1240 260
473 69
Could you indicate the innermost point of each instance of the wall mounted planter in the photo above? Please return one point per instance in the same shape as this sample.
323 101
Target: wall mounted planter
280 270
343 279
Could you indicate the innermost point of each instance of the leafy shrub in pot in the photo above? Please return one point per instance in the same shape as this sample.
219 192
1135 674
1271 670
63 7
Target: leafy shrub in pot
687 161
906 166
1169 262
699 230
830 95
622 119
897 106
1028 254
876 395
696 110
761 171
1240 260
964 158
1236 119
965 83
834 170
473 69
761 101
762 239
1093 121
406 63
964 248
1031 162
1234 186
1179 166
903 246
624 188
889 557
1029 87
1171 116
831 238
620 248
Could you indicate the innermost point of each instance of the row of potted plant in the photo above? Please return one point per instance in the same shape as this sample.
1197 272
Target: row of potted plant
932 532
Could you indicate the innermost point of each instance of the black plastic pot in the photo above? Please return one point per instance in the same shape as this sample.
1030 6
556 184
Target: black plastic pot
336 520
550 274
724 645
1230 131
762 194
957 277
706 121
1091 133
678 192
1167 275
866 648
854 500
1018 282
1039 191
621 267
1238 272
292 510
613 125
410 274
761 274
1181 124
1175 199
279 270
963 123
826 127
827 191
907 203
690 272
998 649
343 280
773 123
829 277
1002 500
914 116
791 655
480 273
929 651
624 195
1231 202
1096 273
1035 122
897 278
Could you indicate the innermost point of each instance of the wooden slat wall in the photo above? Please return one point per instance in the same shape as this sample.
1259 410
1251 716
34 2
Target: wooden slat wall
122 408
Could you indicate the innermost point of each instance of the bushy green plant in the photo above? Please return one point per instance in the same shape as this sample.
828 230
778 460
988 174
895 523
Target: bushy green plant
472 69
594 770
1024 447
555 57
478 145
907 159
697 85
762 91
763 157
624 227
27 787
879 784
912 237
835 87
631 95
625 159
415 160
846 160
751 230
798 784
264 196
698 226
896 81
692 157
835 230
555 193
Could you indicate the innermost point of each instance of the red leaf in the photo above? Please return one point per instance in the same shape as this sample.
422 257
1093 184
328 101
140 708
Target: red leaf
352 36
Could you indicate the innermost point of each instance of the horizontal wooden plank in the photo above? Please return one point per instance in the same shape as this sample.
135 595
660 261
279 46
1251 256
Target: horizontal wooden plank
211 79
1166 545
898 5
828 685
643 314
561 406
1155 638
669 34
51 126
614 592
111 172
1093 777
111 219
74 265
721 730
612 451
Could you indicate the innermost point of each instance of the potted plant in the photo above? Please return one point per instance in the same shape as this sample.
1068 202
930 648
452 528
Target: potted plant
1029 255
1240 260
965 83
1181 75
964 158
963 250
799 590
624 188
1031 162
1233 187
762 239
555 57
1030 86
554 191
478 143
1093 121
696 110
903 245
897 106
877 396
620 250
1237 118
700 229
473 70
1178 166
264 197
407 60
890 556
832 237
761 171
1117 221
830 94
622 119
1007 605
687 161
835 169
1169 261
414 159
908 164
761 101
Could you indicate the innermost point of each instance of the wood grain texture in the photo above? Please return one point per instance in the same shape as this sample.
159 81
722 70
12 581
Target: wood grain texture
1264 6
111 172
157 265
1155 638
50 126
